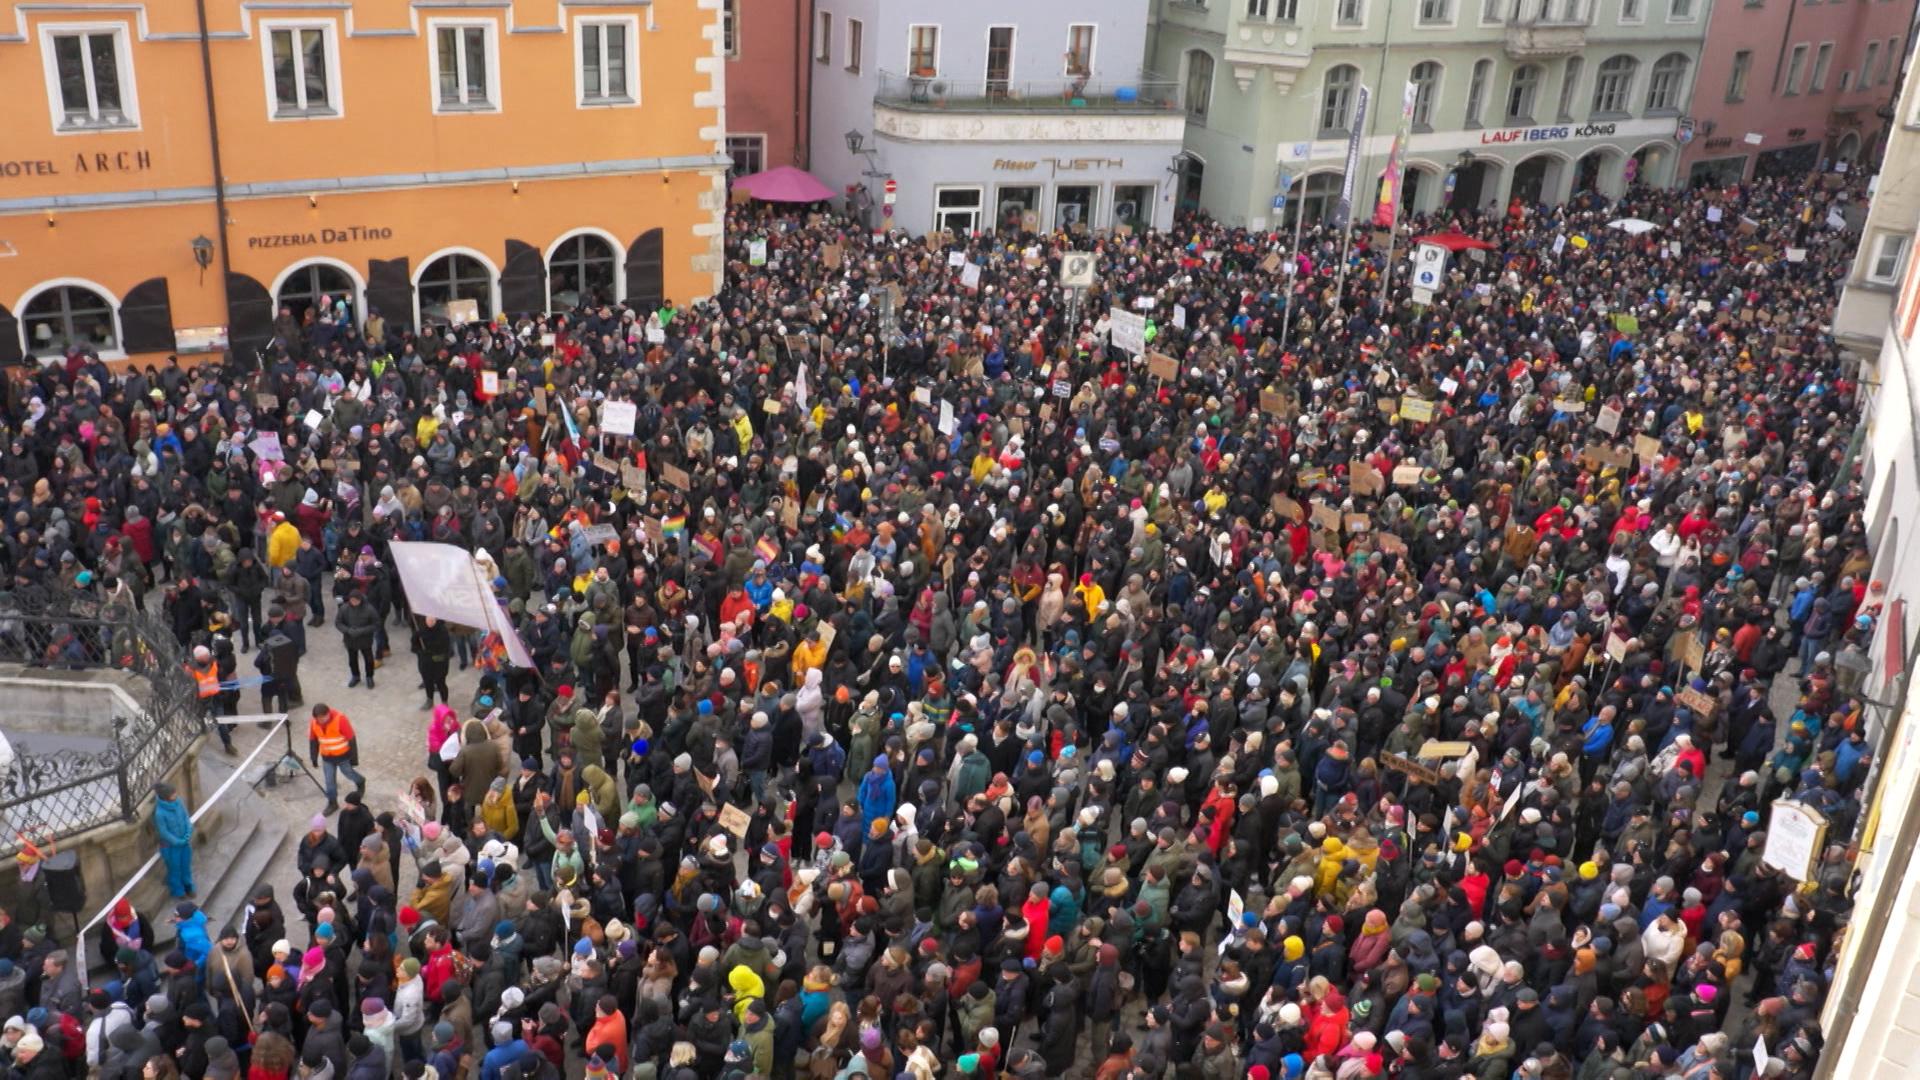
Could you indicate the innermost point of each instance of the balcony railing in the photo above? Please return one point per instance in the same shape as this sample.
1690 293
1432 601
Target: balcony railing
1145 93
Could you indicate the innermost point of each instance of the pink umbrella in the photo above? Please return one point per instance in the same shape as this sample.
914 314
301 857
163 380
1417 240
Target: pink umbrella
785 184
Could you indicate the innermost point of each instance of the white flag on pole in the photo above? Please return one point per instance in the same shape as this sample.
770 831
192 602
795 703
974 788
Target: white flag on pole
442 581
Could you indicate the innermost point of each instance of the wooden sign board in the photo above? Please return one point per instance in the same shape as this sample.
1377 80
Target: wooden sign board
1414 770
1274 403
1162 367
675 476
832 255
606 464
1418 410
1406 475
735 820
1289 509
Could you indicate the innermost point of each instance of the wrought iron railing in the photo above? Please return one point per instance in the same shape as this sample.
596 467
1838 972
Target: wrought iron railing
50 796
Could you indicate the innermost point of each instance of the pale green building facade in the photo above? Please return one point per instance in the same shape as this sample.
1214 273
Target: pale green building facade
1534 99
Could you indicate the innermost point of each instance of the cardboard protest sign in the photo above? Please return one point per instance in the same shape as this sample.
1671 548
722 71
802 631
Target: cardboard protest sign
1617 648
1698 701
1288 509
1364 478
675 476
632 477
1163 367
832 255
1324 516
1609 421
1646 448
1418 410
606 465
1406 475
1391 543
1357 523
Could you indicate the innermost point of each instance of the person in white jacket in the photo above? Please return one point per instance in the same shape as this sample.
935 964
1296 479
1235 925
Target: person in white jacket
409 1009
1665 940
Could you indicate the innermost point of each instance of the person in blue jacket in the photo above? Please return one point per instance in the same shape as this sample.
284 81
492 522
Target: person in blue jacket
878 798
190 923
175 829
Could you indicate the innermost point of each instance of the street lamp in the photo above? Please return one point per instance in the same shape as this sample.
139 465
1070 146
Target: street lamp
854 141
202 251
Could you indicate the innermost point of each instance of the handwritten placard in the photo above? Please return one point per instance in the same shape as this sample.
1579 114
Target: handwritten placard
1417 410
1289 509
1609 421
1324 516
1364 478
1162 367
1406 475
1646 448
632 477
676 477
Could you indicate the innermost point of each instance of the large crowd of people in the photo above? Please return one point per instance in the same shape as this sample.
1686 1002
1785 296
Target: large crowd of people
1353 684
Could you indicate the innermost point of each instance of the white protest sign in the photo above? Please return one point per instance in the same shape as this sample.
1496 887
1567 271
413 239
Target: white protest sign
970 276
618 417
1129 331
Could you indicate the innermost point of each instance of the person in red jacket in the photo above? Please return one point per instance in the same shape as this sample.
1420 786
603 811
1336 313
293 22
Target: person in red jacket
1326 1015
1035 910
139 532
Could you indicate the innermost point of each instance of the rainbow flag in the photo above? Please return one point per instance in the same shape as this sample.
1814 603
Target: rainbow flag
674 526
767 549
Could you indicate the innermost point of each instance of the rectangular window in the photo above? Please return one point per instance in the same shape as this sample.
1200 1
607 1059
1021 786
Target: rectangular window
730 27
1435 12
856 43
1821 60
1133 205
1350 13
607 76
1737 78
1796 66
1866 67
923 50
999 60
1629 11
1680 11
1073 205
1570 87
1477 91
748 153
1888 250
465 76
301 69
1887 58
823 39
1015 204
957 209
1257 9
1491 11
89 78
1079 58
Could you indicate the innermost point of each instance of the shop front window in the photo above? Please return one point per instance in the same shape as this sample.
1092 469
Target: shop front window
1133 206
450 278
1015 203
1073 204
314 285
60 318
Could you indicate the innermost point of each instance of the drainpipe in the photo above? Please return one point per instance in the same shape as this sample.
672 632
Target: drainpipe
219 175
1780 58
803 22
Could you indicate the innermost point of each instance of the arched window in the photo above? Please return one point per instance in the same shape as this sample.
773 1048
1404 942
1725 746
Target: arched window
64 316
1668 80
454 277
1522 92
1199 85
581 271
312 285
1613 85
1315 197
1426 88
1336 101
1477 91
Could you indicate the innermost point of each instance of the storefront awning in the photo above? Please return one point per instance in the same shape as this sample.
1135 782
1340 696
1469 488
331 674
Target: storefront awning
785 184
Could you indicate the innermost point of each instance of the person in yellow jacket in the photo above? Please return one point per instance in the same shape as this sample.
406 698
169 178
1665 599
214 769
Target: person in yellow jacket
1333 854
807 656
283 543
1090 594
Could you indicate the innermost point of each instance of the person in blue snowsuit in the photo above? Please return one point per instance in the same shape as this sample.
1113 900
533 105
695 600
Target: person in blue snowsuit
175 828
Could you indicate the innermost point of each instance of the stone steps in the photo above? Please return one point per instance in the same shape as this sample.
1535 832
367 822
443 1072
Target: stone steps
227 866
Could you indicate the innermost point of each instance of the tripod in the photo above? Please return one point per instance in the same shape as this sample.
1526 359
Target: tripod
288 761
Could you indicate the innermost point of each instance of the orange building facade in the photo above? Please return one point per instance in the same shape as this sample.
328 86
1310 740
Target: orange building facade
404 157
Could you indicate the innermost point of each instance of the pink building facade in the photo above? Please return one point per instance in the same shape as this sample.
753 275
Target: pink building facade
1790 86
768 82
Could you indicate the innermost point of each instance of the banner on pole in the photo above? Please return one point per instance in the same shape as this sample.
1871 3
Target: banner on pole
1343 212
1386 211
